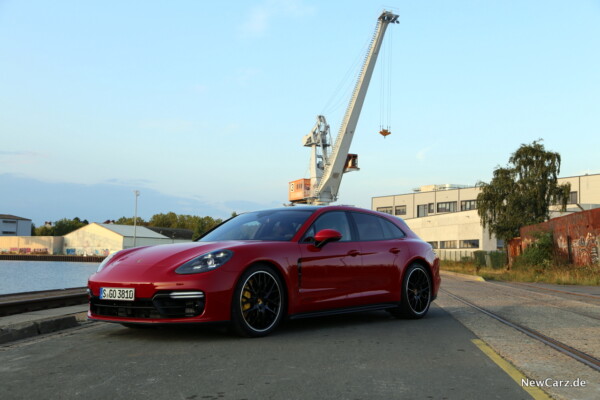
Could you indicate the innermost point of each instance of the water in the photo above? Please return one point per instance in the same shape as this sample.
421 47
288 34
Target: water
29 276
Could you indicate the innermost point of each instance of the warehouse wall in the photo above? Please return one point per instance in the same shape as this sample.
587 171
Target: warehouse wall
92 240
31 244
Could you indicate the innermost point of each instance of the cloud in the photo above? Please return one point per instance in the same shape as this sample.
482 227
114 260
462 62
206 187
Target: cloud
258 20
95 202
421 154
245 76
198 88
128 182
21 157
19 153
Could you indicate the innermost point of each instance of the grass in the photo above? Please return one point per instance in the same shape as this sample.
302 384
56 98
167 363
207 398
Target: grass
555 274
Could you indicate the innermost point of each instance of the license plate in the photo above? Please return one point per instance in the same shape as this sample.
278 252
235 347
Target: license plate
125 294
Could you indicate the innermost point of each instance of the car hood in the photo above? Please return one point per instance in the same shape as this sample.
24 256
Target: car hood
163 258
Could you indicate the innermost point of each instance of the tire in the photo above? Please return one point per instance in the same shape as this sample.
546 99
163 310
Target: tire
416 293
258 302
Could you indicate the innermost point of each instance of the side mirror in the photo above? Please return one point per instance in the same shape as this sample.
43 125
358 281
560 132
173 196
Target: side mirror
325 236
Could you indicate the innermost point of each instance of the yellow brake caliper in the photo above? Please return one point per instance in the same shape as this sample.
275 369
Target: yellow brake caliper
246 304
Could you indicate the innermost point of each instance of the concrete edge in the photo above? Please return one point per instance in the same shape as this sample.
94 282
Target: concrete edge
33 328
464 276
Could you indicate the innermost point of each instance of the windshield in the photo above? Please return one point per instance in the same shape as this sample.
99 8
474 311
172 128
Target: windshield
260 225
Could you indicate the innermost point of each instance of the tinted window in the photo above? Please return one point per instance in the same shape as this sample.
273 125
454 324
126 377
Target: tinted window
260 225
372 227
332 220
391 231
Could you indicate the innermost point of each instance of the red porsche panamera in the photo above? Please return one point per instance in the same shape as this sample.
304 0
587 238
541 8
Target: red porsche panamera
260 267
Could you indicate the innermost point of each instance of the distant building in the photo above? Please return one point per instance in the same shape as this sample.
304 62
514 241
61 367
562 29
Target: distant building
446 215
103 239
11 225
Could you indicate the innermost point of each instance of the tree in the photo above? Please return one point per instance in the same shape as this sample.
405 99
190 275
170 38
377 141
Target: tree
44 230
522 193
64 226
168 220
129 221
199 225
204 225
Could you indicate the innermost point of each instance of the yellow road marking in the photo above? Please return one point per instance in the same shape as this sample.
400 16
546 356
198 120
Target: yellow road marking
514 373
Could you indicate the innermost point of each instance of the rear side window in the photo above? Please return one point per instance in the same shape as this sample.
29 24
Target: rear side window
372 227
332 220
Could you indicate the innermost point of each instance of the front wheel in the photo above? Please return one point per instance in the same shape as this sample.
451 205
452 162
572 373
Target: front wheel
416 293
258 302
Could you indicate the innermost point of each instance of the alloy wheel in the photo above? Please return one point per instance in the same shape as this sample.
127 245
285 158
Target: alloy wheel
418 290
260 301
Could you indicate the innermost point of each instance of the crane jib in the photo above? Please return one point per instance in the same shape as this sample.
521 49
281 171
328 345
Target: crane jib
327 162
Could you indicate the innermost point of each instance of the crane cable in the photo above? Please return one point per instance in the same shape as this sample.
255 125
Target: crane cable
341 93
385 96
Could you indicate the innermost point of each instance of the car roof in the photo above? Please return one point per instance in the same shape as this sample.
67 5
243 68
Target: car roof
311 208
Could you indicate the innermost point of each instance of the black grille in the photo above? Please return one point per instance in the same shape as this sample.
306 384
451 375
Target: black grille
160 306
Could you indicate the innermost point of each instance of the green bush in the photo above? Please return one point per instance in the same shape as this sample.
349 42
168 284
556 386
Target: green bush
479 257
539 253
498 259
491 259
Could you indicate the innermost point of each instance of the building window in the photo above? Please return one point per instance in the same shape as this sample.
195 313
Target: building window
431 208
422 210
469 244
400 210
387 210
449 206
448 244
467 205
434 245
14 222
573 198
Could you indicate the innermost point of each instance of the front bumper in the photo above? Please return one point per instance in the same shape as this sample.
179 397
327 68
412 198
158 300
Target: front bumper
163 305
183 301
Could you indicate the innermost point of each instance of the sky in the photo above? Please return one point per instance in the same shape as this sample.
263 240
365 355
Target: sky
202 105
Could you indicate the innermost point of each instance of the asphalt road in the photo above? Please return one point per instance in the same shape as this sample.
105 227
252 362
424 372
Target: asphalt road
359 356
573 320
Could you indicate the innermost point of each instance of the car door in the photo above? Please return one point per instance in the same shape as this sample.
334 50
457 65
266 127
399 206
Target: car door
327 273
384 253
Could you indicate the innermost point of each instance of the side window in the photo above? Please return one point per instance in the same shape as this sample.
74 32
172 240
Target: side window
372 227
391 230
332 220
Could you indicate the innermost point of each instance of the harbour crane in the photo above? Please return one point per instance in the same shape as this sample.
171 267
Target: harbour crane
328 163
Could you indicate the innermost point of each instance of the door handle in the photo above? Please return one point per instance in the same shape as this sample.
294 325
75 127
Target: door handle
394 250
353 253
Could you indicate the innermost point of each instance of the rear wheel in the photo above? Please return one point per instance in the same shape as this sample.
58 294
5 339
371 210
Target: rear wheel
416 293
258 302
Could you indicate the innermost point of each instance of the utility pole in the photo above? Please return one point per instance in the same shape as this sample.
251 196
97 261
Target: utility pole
137 194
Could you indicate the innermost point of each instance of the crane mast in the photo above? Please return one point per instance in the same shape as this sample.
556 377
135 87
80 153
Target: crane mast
328 163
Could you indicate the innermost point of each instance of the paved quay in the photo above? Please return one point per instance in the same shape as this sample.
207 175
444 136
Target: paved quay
573 320
29 324
367 355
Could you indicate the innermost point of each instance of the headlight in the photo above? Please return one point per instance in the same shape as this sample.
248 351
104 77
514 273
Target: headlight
206 262
105 261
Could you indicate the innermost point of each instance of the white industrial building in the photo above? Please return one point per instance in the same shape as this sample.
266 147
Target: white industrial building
11 225
103 239
446 215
